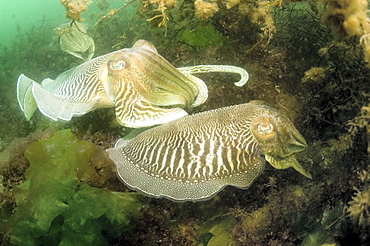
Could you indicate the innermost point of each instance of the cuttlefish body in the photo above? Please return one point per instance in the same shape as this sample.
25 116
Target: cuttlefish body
144 88
194 157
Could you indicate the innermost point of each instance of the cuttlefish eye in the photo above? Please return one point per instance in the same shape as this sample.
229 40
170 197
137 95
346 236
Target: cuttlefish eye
265 128
117 65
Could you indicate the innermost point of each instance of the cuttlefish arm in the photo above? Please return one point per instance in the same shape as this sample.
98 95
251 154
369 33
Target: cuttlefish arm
157 81
244 76
148 89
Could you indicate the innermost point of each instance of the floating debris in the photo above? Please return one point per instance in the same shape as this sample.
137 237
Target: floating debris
75 8
194 157
144 88
74 39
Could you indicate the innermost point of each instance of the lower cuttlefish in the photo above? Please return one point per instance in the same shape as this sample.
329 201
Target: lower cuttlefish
144 88
196 156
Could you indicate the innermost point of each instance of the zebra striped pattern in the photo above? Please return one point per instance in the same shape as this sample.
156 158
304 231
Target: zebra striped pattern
194 157
196 153
137 112
82 83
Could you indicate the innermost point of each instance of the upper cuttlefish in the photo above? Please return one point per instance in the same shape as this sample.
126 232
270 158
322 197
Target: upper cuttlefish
144 88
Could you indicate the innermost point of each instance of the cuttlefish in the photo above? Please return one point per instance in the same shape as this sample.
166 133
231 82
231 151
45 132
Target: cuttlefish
144 88
194 157
74 39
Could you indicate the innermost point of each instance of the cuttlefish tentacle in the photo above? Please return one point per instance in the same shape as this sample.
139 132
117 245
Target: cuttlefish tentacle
144 88
244 76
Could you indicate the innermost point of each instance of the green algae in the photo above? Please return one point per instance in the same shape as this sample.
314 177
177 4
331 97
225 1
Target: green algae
332 223
55 206
217 231
202 36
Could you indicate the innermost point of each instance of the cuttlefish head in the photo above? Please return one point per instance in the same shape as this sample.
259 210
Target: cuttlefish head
278 139
152 77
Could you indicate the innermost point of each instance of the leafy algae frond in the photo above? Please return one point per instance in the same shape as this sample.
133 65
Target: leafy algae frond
55 205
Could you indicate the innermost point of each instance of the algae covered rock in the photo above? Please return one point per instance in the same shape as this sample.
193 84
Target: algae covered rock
56 207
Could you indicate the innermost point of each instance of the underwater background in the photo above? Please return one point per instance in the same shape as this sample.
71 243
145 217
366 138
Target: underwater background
308 59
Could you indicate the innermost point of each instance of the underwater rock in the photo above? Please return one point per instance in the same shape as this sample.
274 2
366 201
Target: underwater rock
144 88
194 157
74 39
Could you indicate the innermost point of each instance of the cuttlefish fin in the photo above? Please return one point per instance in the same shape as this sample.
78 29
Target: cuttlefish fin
46 82
25 96
59 108
287 162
